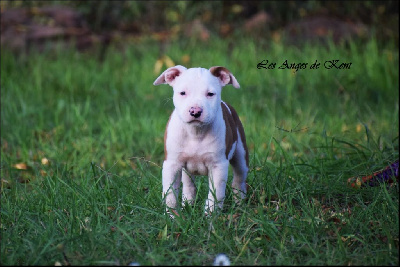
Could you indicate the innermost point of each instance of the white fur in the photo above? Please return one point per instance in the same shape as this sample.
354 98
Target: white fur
195 145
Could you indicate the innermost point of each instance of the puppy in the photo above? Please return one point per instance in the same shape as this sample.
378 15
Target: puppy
203 135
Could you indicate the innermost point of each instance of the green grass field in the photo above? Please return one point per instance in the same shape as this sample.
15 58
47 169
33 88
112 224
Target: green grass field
82 146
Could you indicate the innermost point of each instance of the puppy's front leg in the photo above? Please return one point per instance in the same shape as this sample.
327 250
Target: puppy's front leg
218 177
189 189
171 180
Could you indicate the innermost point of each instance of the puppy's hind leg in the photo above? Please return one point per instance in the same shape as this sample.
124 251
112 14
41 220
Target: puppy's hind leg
240 170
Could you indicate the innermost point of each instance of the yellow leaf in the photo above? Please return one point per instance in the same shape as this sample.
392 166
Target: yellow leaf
302 12
168 61
358 182
21 166
164 233
185 59
236 9
276 36
45 161
158 66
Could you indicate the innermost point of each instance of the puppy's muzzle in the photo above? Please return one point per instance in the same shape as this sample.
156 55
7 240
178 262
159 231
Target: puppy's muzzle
195 112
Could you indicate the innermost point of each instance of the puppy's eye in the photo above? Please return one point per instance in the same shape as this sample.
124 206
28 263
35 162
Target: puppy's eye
210 94
183 93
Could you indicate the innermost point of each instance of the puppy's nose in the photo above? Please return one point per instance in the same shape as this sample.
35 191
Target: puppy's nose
195 112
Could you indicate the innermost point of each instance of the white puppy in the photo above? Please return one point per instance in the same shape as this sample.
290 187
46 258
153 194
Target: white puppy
203 135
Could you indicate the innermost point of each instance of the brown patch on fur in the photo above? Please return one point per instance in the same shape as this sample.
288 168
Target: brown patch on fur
216 71
224 75
233 122
231 133
165 138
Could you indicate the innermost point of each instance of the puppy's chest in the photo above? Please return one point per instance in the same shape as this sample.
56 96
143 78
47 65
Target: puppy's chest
197 156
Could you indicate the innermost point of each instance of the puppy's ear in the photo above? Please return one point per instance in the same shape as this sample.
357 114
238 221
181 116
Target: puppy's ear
224 76
169 75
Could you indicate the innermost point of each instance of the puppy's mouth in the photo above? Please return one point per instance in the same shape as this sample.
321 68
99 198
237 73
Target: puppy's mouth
195 121
198 121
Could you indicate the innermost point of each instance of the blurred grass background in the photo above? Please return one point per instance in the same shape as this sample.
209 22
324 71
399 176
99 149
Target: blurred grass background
82 131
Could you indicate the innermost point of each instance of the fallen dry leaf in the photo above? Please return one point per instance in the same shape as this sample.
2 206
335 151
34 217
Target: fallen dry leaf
45 161
21 166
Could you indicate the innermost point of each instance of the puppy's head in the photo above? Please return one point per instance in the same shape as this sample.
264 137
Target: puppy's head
197 91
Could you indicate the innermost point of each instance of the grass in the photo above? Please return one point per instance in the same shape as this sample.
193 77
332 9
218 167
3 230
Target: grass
82 146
